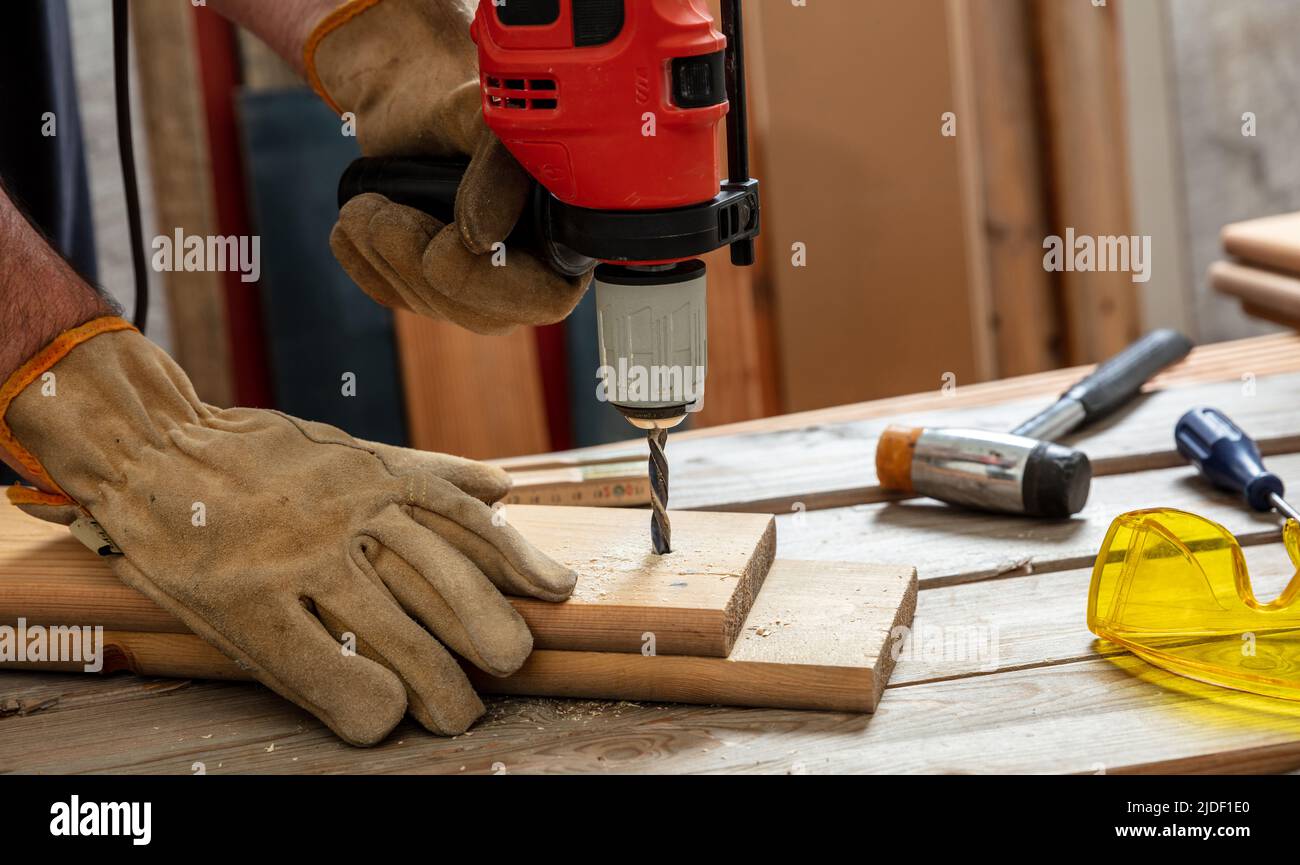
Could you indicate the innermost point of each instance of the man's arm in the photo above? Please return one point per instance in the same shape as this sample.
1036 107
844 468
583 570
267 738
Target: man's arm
283 25
40 294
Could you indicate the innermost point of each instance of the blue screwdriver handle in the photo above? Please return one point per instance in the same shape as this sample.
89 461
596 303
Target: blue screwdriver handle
1226 456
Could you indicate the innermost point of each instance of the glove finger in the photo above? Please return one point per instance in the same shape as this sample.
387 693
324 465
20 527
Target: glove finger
367 221
427 265
488 484
350 258
399 237
514 565
437 692
358 699
446 591
523 290
492 195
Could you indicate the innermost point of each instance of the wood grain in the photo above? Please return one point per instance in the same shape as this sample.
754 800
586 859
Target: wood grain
820 637
768 472
694 600
1114 716
950 545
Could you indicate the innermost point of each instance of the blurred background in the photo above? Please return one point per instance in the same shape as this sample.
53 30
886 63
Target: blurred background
914 156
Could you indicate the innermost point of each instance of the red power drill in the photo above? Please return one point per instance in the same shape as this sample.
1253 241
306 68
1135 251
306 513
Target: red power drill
613 107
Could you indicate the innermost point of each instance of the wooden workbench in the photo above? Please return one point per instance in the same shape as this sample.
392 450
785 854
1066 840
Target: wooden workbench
999 673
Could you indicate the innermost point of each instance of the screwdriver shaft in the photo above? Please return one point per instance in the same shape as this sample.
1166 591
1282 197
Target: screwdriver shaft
1284 507
661 530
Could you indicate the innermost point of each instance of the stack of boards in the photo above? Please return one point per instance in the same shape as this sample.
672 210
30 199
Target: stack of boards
1263 270
719 620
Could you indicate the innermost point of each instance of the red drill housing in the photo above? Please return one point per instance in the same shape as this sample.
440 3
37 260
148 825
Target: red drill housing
609 105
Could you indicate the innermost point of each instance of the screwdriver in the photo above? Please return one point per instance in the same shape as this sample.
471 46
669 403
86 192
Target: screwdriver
1230 460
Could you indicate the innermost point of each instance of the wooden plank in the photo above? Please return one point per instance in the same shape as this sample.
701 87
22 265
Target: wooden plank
1084 97
1039 712
1151 115
735 385
470 395
1271 242
834 465
891 272
1263 293
1114 716
694 600
1028 621
180 166
1027 325
818 638
1260 356
970 202
950 545
33 692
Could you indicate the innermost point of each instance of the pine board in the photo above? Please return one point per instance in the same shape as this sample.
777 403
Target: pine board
1271 241
771 472
1262 356
953 545
818 638
694 600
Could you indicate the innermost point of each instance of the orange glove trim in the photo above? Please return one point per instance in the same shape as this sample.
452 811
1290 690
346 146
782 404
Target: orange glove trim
20 495
38 365
328 25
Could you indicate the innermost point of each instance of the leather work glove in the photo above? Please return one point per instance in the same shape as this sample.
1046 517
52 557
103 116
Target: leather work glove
408 70
274 538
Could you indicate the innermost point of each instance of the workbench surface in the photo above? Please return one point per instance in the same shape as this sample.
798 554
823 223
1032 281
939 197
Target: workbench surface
999 673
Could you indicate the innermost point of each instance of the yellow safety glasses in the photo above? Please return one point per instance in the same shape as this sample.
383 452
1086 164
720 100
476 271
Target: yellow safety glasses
1172 588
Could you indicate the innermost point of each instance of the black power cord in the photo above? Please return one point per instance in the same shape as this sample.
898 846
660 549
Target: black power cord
126 151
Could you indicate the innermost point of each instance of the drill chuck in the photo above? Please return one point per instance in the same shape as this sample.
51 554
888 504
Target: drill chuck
985 470
652 326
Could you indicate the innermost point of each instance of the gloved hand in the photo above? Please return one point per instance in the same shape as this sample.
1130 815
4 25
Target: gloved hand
409 72
273 537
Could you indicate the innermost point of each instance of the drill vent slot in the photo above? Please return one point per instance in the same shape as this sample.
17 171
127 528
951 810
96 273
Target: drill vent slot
729 222
521 94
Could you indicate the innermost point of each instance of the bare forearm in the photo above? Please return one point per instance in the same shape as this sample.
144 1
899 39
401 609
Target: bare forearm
40 295
284 25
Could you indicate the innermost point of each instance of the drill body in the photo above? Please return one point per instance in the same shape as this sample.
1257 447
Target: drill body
613 107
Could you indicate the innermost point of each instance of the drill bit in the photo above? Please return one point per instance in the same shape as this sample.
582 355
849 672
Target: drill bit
660 529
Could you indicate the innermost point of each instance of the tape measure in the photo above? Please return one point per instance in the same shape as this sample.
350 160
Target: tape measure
610 485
